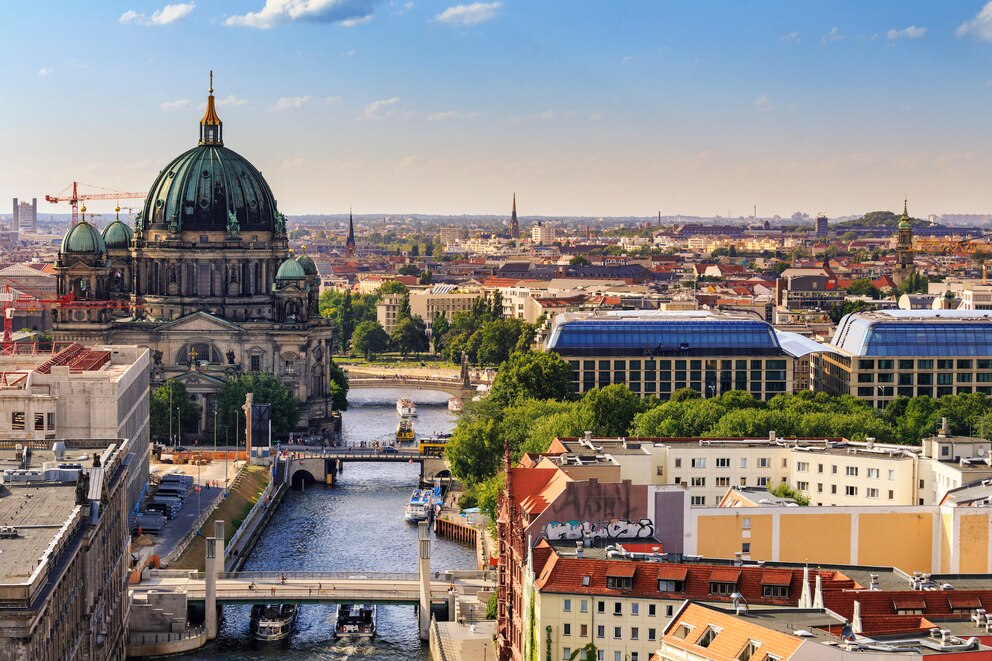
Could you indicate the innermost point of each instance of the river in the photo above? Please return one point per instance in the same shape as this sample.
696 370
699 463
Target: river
353 526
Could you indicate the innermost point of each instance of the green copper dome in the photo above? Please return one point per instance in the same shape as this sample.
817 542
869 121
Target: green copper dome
82 238
307 264
205 188
290 270
117 235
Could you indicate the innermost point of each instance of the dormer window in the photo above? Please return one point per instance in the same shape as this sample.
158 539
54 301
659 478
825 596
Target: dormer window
620 578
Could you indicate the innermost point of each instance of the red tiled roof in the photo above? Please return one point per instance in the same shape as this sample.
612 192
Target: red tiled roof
909 602
672 573
957 601
776 577
725 575
621 570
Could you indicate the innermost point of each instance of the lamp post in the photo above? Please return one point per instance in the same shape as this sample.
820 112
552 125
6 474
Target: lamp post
179 426
171 439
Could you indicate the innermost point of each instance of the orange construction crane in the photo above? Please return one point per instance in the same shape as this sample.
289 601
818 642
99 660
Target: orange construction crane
11 301
75 197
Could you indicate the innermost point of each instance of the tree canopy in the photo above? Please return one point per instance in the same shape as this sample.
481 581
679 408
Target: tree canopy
267 389
186 419
369 339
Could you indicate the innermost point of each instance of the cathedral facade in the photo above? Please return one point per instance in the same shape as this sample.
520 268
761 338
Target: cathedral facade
205 280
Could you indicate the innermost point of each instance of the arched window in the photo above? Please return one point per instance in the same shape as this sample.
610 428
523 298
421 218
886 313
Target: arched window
205 354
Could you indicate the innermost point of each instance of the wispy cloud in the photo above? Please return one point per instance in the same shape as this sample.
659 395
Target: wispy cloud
471 14
912 32
763 102
45 71
164 16
348 53
231 101
382 109
451 114
348 13
833 36
627 58
790 38
979 27
174 105
290 102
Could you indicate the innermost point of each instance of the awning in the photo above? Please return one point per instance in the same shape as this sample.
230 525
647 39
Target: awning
621 570
909 603
960 601
725 575
778 578
673 573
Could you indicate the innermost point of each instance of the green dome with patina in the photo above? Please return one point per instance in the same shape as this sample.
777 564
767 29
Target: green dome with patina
308 266
117 235
290 270
83 239
904 219
211 187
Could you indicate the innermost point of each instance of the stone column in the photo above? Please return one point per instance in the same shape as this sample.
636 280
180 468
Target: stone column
247 409
219 536
424 570
210 581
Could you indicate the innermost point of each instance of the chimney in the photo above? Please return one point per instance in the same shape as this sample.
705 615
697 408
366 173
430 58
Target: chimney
870 442
874 583
588 436
856 620
771 436
818 594
944 431
578 549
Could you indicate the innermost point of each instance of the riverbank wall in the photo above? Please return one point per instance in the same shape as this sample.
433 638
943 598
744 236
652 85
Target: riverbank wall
466 533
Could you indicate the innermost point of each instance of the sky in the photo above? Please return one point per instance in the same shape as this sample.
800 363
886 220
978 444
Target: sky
581 108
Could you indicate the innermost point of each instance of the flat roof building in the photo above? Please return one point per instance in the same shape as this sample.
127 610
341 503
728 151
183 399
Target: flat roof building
658 352
886 354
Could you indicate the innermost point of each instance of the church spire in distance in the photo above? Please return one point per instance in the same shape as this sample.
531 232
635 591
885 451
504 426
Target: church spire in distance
349 246
211 128
514 225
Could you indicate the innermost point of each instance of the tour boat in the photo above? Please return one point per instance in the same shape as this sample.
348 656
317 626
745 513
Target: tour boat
404 431
419 507
406 408
455 405
355 620
272 621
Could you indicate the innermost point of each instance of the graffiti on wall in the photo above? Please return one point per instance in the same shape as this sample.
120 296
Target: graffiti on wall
611 529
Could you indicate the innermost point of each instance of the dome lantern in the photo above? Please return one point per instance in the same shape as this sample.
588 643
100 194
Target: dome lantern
211 128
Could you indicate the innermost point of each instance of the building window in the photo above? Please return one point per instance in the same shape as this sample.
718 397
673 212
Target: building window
17 420
566 629
802 486
722 588
802 466
698 482
618 608
51 421
566 653
819 468
743 462
762 481
873 493
617 632
707 638
583 605
652 608
600 631
850 491
635 608
678 462
775 591
750 649
39 422
833 488
699 462
635 633
669 610
764 462
851 471
873 473
566 605
652 634
745 547
668 586
746 523
255 363
723 481
585 581
892 475
682 631
892 494
723 462
584 630
697 501
600 606
619 582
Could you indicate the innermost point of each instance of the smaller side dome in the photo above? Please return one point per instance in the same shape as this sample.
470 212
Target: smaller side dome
308 266
290 270
117 235
83 239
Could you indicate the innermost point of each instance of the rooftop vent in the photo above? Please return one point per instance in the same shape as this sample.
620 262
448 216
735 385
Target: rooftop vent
8 532
58 449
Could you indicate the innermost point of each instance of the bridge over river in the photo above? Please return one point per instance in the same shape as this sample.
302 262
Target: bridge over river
455 387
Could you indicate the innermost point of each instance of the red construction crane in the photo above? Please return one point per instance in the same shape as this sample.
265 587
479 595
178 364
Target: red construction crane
75 197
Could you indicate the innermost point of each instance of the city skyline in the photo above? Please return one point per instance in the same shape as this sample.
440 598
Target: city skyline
444 108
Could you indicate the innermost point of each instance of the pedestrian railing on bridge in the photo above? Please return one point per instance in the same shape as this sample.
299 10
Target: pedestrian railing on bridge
277 576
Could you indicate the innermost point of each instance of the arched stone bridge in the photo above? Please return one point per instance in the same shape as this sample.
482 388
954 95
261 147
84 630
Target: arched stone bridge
305 468
454 387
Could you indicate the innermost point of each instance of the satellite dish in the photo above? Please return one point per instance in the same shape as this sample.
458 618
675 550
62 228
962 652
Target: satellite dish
981 451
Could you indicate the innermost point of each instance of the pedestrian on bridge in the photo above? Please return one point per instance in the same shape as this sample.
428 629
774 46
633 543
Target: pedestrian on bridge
273 590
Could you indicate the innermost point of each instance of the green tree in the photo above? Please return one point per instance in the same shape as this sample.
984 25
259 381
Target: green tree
338 387
439 327
609 411
579 260
783 490
409 335
534 375
186 419
863 287
266 389
474 450
392 287
369 339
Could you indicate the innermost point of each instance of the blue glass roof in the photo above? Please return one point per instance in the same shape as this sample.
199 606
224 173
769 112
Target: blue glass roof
956 335
664 337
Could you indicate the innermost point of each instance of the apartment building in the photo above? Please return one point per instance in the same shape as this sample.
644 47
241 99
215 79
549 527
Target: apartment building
878 356
442 299
830 472
659 352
